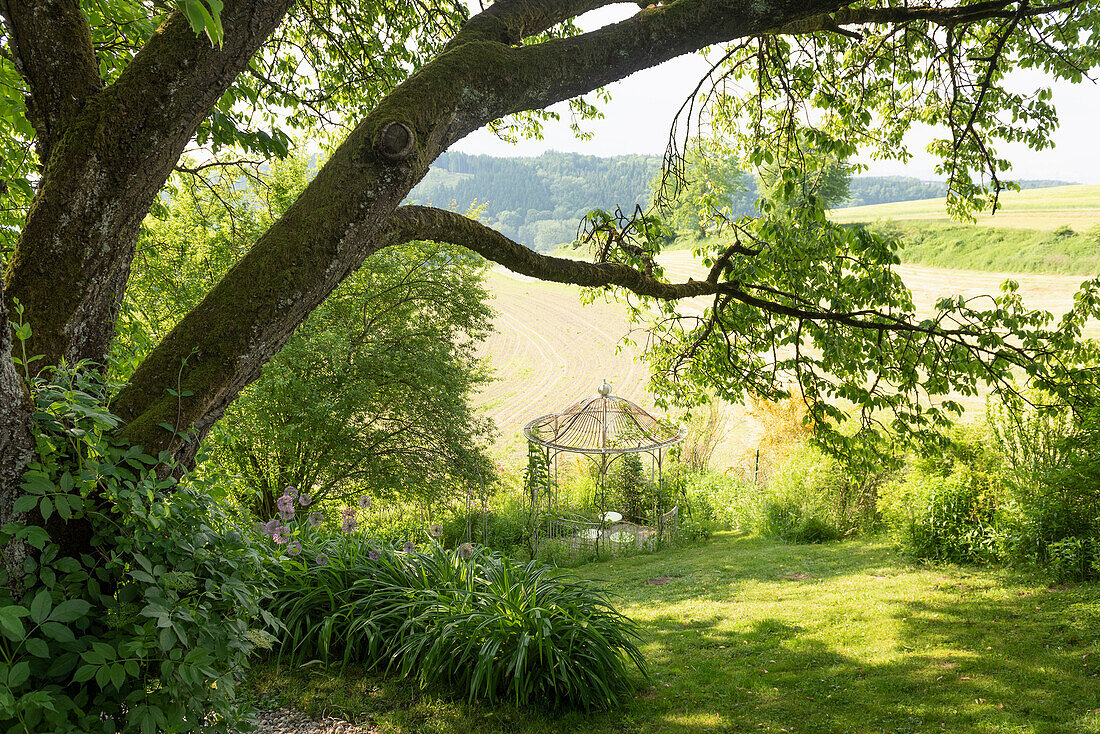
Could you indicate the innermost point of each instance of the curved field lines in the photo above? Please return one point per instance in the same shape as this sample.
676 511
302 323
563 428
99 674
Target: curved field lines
549 351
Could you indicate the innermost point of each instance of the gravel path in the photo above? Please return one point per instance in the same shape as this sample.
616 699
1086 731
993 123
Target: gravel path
288 721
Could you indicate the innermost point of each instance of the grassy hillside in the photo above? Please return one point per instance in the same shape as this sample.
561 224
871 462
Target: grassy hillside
1045 210
1054 230
970 247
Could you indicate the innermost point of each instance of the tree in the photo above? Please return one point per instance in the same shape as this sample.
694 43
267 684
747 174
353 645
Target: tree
371 394
117 91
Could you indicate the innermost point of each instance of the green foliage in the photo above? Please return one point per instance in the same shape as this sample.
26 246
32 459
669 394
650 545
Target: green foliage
721 501
1074 559
709 189
1054 476
810 497
842 326
813 498
953 518
807 172
631 489
489 626
1020 487
154 630
372 393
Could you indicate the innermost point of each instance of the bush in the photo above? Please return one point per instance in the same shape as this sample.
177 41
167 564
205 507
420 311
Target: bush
490 626
1055 478
813 498
1074 559
953 518
155 630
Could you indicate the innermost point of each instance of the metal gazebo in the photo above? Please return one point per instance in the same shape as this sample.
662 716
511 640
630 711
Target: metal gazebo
603 428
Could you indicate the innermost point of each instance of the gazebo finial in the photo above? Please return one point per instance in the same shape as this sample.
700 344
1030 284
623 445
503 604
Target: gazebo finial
605 389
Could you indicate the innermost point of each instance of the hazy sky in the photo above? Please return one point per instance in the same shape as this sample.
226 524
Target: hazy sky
638 117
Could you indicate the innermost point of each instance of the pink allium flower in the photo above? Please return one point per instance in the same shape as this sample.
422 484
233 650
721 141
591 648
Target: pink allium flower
284 503
287 514
435 530
291 492
270 526
364 502
315 519
304 500
293 548
280 535
349 524
348 512
322 559
465 551
409 547
373 554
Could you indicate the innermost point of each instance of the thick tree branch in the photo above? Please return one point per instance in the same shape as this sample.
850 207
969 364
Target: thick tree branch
73 258
428 223
510 21
51 45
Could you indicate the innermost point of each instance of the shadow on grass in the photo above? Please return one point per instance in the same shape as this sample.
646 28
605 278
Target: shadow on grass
971 664
959 650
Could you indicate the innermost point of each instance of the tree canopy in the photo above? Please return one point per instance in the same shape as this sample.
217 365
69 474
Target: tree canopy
371 394
102 101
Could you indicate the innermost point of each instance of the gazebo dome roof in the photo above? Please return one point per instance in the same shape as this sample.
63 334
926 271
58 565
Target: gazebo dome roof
603 424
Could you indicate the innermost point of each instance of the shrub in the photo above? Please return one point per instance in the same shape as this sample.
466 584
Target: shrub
154 631
721 501
953 518
814 498
490 626
1055 477
1074 559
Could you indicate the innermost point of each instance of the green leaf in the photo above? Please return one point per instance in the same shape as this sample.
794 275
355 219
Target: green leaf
37 482
85 672
37 647
10 622
46 507
19 674
70 611
58 631
25 503
40 607
118 675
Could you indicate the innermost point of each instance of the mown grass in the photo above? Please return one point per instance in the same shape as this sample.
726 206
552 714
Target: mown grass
971 247
747 634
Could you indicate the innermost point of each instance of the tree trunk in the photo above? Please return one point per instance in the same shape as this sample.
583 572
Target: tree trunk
16 447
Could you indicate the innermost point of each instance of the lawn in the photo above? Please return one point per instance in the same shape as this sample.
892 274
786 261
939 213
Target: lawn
746 634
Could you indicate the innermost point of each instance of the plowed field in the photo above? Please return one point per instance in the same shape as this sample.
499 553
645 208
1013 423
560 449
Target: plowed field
549 350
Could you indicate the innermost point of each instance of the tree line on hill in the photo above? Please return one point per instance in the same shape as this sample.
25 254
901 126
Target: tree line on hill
540 201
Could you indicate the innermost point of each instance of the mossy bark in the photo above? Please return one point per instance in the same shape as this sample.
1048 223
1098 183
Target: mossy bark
106 163
16 446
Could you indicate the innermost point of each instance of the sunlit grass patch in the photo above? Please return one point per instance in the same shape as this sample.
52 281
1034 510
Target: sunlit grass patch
750 635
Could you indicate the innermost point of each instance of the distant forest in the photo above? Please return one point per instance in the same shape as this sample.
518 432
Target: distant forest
540 201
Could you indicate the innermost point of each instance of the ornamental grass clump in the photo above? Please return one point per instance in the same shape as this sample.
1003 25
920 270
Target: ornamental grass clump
490 626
